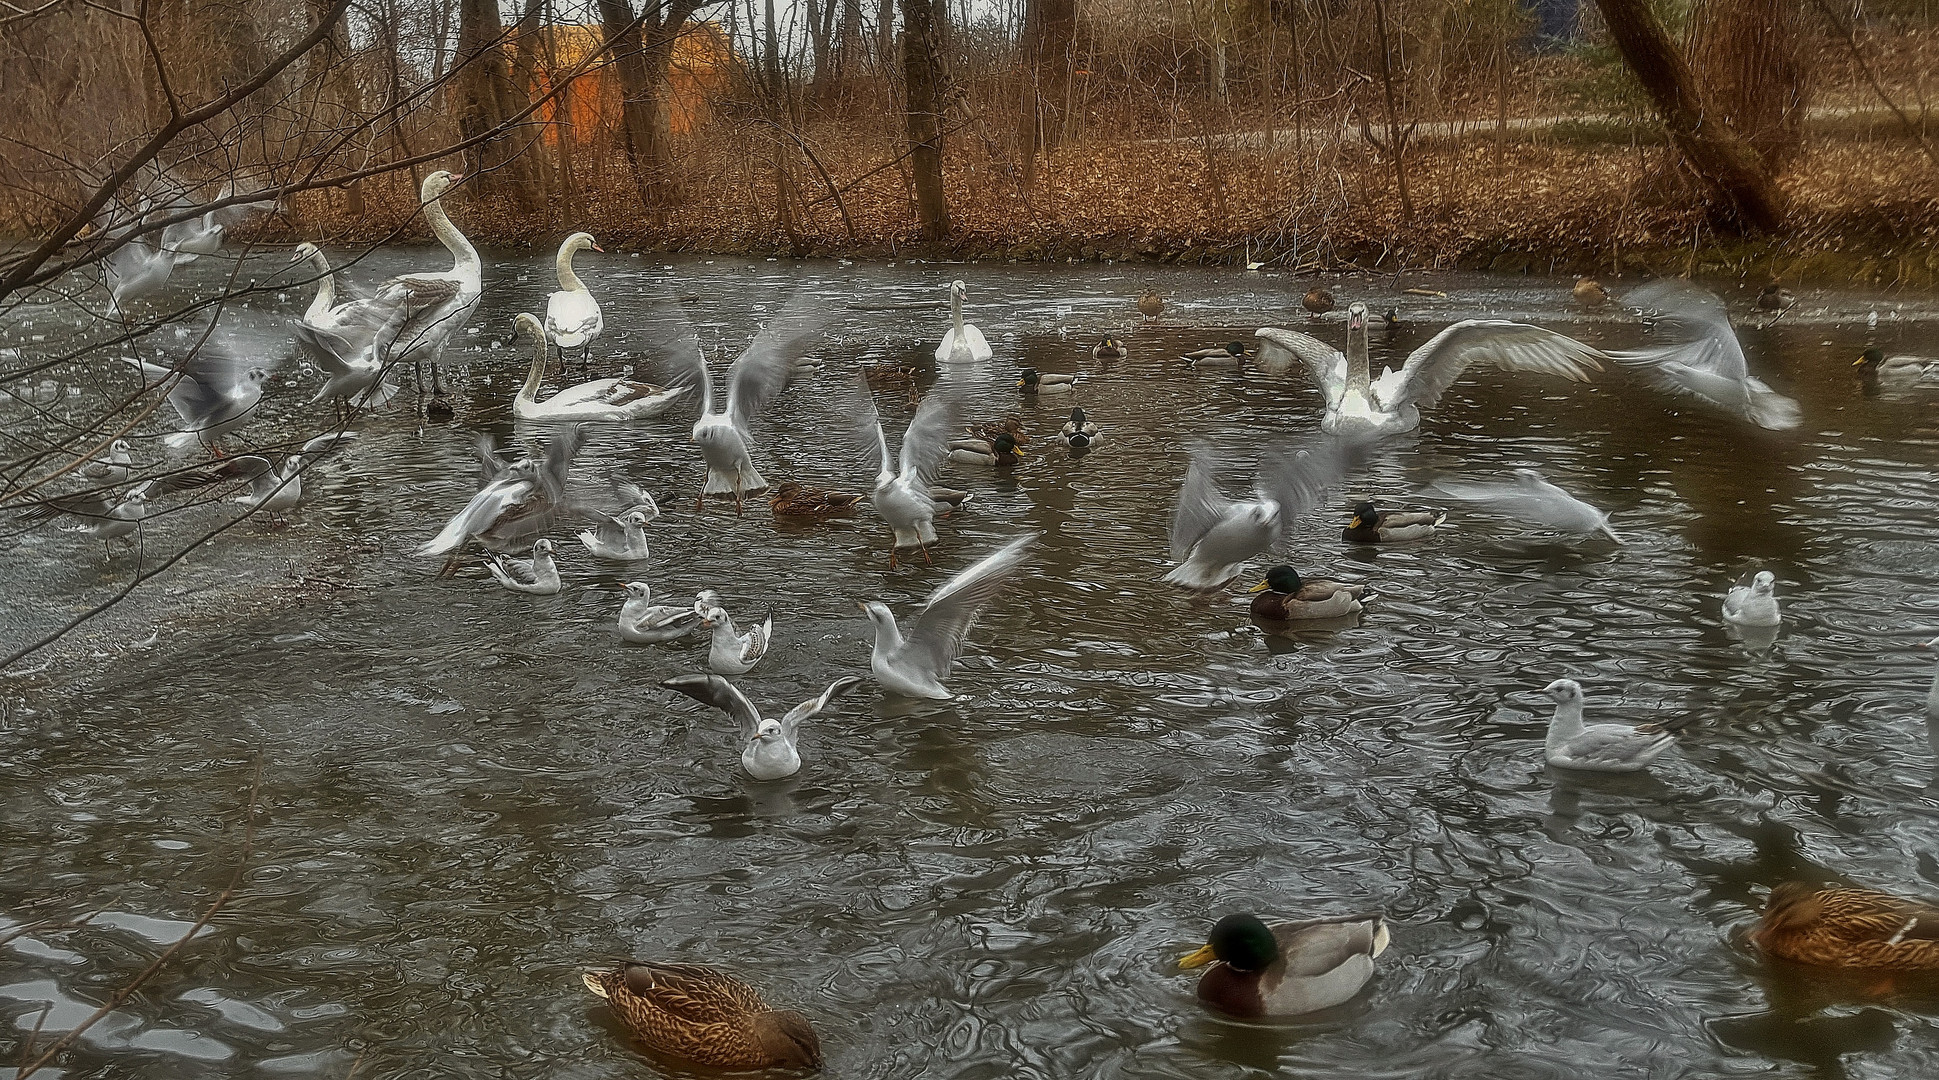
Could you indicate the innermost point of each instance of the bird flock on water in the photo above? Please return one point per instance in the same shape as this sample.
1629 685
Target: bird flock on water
1254 967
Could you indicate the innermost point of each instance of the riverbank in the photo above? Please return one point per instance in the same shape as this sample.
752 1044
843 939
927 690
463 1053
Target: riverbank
1861 211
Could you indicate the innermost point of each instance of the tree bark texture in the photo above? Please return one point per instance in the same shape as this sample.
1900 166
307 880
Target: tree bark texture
484 77
642 58
1743 195
1049 38
922 79
1751 57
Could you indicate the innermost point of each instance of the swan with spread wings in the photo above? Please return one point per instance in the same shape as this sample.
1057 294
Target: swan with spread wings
1358 403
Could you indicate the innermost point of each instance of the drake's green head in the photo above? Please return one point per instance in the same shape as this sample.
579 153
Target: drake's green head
1871 358
1235 348
1242 942
1365 516
1280 579
1029 378
1004 444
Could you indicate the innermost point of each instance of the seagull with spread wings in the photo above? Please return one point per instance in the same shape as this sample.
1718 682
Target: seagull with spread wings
214 389
518 504
768 747
1357 403
1702 357
1531 500
915 663
756 377
1213 536
903 493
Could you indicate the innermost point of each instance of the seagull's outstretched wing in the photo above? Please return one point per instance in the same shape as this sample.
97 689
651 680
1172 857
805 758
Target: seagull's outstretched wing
925 445
670 338
938 632
1324 364
1298 481
725 696
492 502
867 433
1701 357
814 705
763 370
1201 505
1511 346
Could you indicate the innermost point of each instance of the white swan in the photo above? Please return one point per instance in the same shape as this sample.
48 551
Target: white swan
324 312
1356 403
572 315
962 343
600 399
1597 747
1754 604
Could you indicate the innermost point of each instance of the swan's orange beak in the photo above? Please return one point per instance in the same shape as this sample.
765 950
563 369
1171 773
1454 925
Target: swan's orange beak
599 249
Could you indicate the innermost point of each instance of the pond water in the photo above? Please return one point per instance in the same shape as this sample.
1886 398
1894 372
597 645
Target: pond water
467 796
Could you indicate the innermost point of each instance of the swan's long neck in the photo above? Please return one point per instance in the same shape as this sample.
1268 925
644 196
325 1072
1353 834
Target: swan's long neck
530 391
326 289
956 313
464 256
1359 366
568 280
1566 724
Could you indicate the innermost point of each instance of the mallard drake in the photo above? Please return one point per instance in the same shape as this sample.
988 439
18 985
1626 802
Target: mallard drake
1386 320
1875 364
1589 291
1774 297
1036 382
1150 304
1753 604
704 1015
1841 926
1373 526
1285 596
1078 432
977 452
1262 969
1109 349
795 499
1614 748
538 575
1318 300
1231 354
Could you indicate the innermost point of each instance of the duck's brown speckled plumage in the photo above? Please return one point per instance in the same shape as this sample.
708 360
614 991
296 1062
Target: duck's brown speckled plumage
794 499
704 1015
1009 425
1836 926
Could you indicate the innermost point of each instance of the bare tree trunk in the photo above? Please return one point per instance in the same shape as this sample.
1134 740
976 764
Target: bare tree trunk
335 82
922 74
483 77
1750 55
1741 189
642 58
885 35
1049 31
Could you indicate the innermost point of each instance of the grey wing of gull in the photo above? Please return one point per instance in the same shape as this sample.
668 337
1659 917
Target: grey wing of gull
633 497
85 506
938 632
763 370
1200 506
670 338
867 433
721 694
491 466
792 721
327 441
1701 356
331 351
258 470
1613 744
485 508
925 445
1511 346
1297 482
1535 501
559 452
1279 348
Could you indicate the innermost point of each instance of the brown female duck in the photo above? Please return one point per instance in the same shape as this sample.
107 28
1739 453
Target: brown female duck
1839 926
704 1015
795 499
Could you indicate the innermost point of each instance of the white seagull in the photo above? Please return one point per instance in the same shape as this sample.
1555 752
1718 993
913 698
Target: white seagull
769 747
731 652
213 390
1213 537
903 494
622 538
274 489
915 664
643 622
538 575
518 502
1703 359
1753 604
1615 748
1357 403
1531 500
